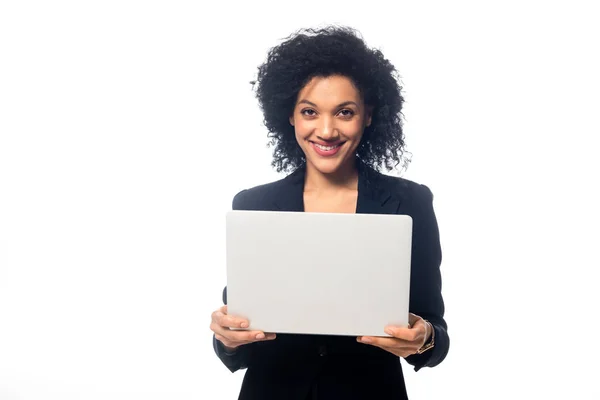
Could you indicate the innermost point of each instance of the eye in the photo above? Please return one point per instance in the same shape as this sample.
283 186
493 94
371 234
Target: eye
308 112
346 113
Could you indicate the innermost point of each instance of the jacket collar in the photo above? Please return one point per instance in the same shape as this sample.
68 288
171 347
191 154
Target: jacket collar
374 196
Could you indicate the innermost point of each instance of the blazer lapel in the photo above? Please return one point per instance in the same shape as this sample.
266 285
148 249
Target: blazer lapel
289 196
374 196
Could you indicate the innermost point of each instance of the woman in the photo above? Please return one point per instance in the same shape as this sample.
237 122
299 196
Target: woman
332 107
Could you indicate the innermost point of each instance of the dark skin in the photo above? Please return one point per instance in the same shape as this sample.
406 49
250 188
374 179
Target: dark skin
329 120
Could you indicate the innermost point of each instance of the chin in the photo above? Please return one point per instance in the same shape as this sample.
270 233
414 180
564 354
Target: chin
327 167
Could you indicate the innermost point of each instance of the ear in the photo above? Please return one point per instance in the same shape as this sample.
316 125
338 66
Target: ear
369 116
291 120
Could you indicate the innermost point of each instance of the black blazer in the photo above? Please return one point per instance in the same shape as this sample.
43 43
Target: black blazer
335 367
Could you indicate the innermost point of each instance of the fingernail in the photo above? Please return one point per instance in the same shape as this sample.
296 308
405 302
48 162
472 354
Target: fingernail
389 331
244 324
366 340
260 336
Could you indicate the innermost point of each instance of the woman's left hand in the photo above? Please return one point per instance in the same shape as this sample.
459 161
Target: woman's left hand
404 341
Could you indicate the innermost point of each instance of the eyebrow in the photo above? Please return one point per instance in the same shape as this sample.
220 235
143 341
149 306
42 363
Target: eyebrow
346 103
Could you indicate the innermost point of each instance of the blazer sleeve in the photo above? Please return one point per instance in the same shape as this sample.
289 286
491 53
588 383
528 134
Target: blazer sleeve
426 282
237 359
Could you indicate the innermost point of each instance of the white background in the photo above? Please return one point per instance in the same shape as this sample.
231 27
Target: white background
127 127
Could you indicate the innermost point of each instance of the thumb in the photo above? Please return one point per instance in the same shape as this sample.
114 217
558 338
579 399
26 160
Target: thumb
413 319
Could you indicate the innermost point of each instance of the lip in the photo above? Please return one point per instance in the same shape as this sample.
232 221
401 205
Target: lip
328 144
327 153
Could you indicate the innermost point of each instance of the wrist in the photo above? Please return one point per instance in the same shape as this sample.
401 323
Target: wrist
429 331
430 340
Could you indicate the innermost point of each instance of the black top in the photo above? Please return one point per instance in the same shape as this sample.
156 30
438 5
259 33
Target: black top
337 367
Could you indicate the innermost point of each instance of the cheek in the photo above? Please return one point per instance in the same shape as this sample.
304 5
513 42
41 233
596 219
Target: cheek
300 135
355 131
302 129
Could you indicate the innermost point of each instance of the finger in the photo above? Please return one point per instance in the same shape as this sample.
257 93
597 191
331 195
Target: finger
234 322
250 337
226 342
229 321
413 318
405 352
401 352
389 343
414 334
240 336
234 344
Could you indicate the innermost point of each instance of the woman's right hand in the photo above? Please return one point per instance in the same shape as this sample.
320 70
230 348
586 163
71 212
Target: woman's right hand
232 339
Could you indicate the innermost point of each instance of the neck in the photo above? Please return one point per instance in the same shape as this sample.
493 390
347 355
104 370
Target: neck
346 177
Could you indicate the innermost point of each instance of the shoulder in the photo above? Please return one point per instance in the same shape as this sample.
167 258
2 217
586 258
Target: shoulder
255 198
416 200
404 189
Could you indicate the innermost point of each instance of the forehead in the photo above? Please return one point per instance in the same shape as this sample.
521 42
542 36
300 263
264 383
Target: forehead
334 89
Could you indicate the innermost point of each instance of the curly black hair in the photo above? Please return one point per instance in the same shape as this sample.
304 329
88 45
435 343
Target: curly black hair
324 52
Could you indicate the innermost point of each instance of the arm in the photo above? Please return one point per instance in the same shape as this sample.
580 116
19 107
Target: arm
426 283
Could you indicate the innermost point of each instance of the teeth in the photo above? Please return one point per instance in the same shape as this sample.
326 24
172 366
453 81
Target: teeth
326 148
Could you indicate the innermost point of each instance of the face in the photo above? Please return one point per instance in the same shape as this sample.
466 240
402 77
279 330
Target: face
329 119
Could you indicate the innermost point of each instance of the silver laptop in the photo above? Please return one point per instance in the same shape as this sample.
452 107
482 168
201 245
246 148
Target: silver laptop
319 273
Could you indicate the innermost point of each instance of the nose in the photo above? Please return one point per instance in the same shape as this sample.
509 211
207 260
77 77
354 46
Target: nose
327 130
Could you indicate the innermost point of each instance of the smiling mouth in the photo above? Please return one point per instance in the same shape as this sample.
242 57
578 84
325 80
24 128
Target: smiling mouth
327 148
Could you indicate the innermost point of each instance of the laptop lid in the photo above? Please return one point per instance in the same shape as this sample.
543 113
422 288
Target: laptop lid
319 273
